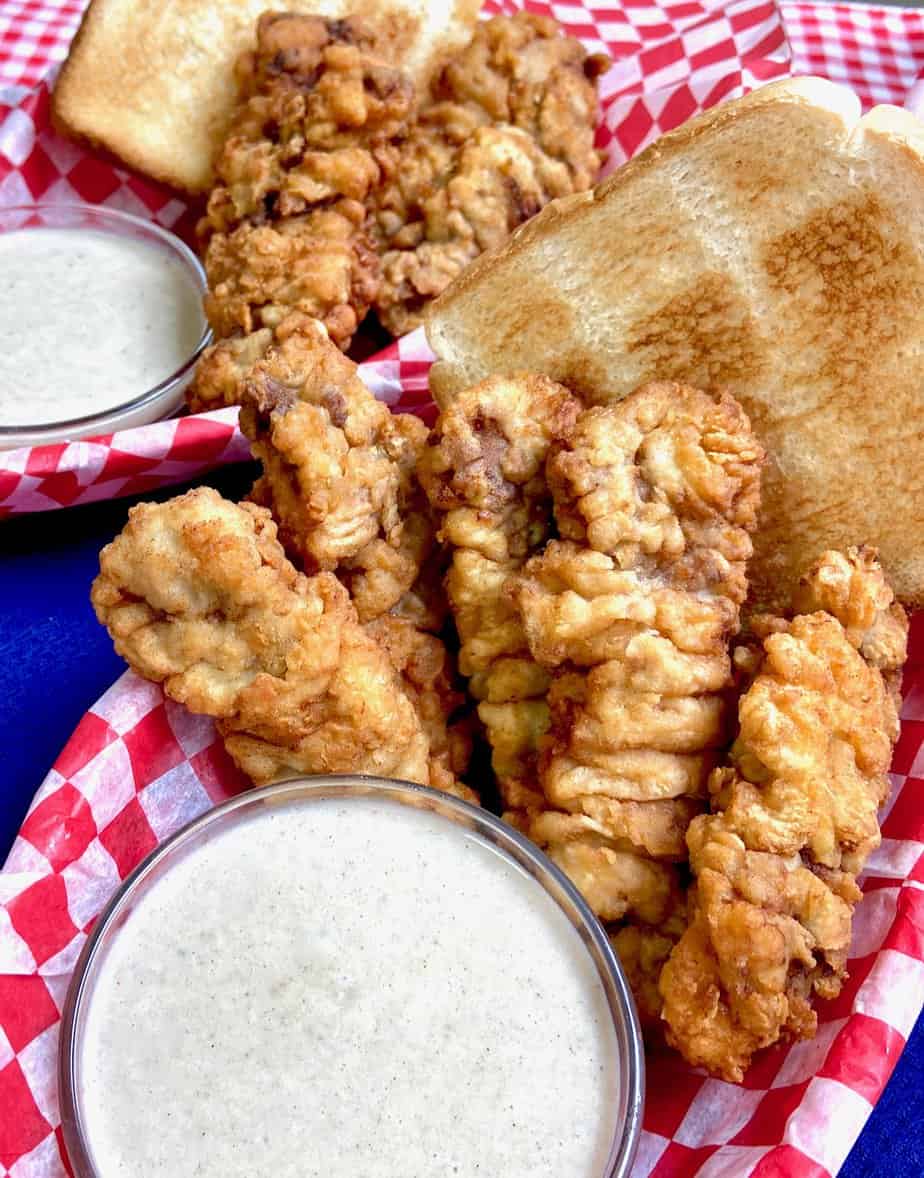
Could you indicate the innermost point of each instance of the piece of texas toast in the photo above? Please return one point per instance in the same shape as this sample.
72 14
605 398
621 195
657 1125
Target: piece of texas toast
773 247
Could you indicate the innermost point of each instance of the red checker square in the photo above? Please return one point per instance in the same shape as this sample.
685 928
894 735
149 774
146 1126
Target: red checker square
22 1125
9 481
661 56
764 1068
679 107
739 21
26 1008
40 916
785 1160
89 738
120 464
842 1006
64 487
634 127
767 1125
92 181
907 932
128 837
220 777
863 1055
671 1087
715 54
905 820
774 40
152 747
679 1161
722 89
61 826
908 745
917 872
143 485
43 460
203 441
39 170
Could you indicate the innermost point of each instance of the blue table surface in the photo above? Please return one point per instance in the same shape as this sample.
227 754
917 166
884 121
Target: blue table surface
57 660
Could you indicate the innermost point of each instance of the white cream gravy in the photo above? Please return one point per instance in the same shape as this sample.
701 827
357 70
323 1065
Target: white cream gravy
88 321
348 989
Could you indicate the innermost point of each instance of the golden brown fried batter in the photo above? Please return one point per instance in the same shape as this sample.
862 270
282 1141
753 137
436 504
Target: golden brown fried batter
510 126
320 264
285 226
519 70
198 595
794 821
486 186
633 613
483 473
326 130
429 677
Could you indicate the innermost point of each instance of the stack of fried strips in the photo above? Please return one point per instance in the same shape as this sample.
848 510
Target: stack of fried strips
340 189
597 572
334 668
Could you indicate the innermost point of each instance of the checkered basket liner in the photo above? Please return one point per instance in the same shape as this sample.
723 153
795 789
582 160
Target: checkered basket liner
138 766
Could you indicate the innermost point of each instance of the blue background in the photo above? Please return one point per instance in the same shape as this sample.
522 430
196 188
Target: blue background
57 661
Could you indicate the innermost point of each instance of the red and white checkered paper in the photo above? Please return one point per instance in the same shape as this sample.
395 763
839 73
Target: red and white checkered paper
139 766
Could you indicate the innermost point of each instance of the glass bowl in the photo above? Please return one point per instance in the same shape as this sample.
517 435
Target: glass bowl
484 827
154 404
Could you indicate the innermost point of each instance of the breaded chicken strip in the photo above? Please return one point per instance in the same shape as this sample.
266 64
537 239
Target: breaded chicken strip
633 612
199 596
285 227
428 674
338 466
509 126
795 820
484 475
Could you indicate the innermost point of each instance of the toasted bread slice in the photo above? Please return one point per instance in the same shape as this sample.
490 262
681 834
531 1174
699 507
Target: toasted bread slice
773 247
150 81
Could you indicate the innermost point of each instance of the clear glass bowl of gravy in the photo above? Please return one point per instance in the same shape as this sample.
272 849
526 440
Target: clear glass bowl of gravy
101 322
342 976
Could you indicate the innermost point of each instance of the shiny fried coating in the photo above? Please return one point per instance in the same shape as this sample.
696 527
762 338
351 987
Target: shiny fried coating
446 204
428 673
484 475
521 71
285 226
314 99
794 821
199 596
510 126
633 612
321 264
338 466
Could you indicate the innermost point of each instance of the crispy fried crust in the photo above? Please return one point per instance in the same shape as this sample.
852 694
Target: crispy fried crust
794 821
509 127
483 473
632 613
198 595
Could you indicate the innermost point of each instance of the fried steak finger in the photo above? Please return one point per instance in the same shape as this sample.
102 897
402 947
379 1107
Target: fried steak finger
199 596
795 818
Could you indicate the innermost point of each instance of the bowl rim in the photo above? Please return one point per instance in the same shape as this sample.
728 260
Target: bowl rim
176 246
511 843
